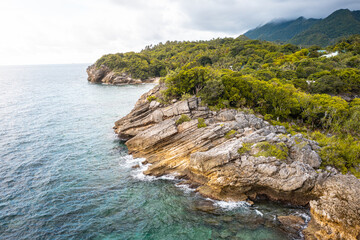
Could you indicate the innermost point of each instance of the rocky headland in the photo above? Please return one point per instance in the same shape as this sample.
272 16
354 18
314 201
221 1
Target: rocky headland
237 156
104 74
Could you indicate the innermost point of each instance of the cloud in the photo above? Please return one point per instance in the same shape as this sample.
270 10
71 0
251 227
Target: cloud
66 31
238 16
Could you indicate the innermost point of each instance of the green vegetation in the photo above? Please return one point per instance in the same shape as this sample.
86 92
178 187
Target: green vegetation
278 150
282 101
230 134
183 118
342 152
281 31
340 23
151 98
246 147
289 86
201 123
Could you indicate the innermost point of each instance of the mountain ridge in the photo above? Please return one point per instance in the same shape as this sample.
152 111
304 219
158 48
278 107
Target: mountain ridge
303 31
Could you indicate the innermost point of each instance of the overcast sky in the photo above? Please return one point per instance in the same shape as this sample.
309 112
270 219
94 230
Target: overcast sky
81 31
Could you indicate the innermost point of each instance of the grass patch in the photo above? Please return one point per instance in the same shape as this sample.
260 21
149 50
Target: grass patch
183 118
230 134
278 150
246 147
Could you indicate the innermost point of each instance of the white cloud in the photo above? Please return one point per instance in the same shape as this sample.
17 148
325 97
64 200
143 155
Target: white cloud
64 31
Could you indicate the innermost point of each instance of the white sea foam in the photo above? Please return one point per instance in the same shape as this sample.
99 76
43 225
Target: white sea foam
259 213
137 173
129 161
304 216
170 177
230 205
185 187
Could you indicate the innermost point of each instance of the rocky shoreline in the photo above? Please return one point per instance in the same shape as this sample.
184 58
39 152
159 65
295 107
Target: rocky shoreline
237 156
105 75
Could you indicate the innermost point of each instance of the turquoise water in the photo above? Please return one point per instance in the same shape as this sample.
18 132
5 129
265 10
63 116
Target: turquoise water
65 175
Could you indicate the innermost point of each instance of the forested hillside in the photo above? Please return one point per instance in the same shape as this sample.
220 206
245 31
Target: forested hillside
307 32
297 88
339 24
281 31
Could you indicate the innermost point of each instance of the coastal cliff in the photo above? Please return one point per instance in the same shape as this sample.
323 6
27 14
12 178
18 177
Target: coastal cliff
236 156
105 75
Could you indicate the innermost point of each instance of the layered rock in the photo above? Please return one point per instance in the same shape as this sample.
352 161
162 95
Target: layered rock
105 75
238 156
336 214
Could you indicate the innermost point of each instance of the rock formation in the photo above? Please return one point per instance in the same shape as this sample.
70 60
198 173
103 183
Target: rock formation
105 75
239 156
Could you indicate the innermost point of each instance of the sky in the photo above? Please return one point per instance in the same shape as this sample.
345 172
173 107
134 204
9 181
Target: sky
81 31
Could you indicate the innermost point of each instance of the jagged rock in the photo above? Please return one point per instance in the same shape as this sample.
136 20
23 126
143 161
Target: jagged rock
236 168
154 104
226 115
95 75
153 135
105 75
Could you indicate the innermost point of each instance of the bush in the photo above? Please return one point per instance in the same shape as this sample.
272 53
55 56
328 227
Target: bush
342 153
183 118
268 117
151 98
230 134
201 123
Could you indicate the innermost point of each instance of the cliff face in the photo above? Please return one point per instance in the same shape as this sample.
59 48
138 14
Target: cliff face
103 74
238 156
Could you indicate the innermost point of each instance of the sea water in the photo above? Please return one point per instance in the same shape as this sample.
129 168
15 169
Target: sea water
64 174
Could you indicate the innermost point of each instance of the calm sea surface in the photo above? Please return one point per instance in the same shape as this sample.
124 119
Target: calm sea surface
65 175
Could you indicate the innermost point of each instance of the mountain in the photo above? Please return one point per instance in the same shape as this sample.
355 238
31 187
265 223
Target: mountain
281 31
302 31
339 24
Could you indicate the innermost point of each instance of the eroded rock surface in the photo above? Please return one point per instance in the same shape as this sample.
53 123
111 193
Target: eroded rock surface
336 214
239 156
105 75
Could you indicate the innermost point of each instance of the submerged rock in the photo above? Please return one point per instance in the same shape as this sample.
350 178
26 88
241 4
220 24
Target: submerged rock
291 223
205 206
237 157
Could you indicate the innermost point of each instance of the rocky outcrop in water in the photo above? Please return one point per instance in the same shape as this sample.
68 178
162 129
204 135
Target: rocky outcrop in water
105 75
239 156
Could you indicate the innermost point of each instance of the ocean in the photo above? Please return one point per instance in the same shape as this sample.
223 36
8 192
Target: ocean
64 174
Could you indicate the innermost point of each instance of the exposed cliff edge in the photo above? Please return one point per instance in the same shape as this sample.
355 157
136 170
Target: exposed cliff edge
105 75
238 156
